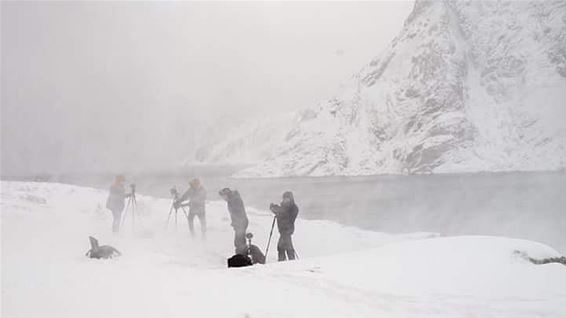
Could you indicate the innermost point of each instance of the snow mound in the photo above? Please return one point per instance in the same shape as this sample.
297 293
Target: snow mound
342 271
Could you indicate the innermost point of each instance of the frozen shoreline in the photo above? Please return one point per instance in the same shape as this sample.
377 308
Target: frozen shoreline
343 271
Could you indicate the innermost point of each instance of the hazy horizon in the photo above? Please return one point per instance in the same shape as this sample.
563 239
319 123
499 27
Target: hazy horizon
112 85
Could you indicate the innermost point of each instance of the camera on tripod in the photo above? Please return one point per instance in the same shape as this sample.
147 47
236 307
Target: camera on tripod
174 192
175 206
131 206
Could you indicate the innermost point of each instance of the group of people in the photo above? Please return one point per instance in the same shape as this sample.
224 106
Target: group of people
195 198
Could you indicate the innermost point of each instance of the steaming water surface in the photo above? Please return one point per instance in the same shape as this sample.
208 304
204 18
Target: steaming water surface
521 205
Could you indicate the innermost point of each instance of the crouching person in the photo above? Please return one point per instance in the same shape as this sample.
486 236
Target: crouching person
97 251
238 217
286 214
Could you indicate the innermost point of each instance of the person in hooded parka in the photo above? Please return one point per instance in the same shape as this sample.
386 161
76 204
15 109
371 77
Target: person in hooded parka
286 214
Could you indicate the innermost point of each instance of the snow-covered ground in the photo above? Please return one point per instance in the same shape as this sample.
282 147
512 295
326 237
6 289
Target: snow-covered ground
342 272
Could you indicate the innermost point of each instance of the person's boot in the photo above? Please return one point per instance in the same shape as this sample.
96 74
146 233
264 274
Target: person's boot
242 250
291 254
282 257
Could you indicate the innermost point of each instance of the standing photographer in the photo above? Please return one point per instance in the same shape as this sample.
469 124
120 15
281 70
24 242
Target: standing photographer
238 217
196 194
115 202
286 214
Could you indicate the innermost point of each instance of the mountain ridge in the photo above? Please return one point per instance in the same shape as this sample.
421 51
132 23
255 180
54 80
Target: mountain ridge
464 87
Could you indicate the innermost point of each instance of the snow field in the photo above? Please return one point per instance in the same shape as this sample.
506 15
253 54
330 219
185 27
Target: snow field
342 272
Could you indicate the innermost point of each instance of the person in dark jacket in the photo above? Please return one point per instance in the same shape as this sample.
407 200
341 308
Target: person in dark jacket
238 217
115 202
286 214
196 195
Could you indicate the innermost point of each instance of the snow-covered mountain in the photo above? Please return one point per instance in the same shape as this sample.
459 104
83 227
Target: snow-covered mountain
248 142
465 86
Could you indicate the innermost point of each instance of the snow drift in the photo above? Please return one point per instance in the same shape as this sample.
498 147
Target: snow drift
466 86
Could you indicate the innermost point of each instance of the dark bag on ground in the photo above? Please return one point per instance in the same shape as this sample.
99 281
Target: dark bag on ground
256 254
104 251
239 260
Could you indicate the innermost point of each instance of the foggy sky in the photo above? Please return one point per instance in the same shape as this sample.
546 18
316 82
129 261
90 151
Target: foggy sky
108 86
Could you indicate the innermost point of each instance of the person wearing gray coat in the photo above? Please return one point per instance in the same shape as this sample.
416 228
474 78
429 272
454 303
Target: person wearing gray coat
116 201
286 214
238 217
196 195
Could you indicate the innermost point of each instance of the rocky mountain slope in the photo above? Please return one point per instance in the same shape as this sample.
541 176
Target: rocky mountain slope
465 86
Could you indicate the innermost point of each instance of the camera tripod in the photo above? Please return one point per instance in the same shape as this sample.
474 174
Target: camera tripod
175 208
131 207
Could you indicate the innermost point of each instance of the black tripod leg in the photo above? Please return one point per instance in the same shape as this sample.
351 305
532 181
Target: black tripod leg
270 235
169 216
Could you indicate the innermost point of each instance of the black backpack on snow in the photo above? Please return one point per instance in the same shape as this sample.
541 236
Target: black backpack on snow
239 260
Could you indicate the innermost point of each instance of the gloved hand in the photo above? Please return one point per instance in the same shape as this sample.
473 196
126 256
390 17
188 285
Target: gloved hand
273 207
